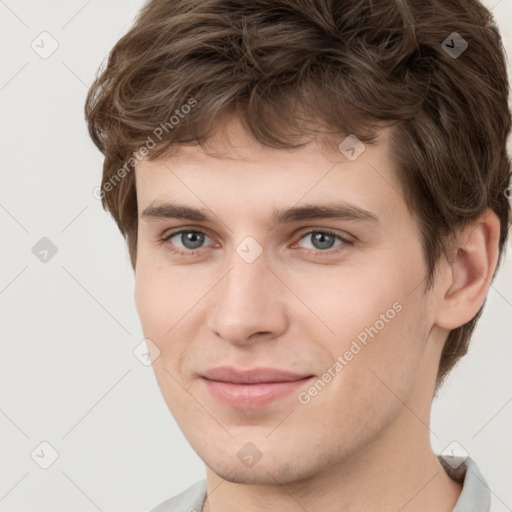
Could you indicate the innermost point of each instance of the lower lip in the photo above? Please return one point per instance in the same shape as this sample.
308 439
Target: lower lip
252 396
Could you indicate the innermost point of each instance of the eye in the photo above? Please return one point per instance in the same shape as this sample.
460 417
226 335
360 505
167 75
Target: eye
322 240
189 242
189 239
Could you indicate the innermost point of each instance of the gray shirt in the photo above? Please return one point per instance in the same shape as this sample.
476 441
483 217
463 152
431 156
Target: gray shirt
475 496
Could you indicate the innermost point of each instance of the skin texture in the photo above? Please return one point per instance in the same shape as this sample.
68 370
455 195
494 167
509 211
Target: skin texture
362 442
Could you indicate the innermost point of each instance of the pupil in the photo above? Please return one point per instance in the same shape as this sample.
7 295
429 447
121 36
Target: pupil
320 240
192 239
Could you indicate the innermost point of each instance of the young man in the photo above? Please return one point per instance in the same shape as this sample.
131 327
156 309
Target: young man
314 196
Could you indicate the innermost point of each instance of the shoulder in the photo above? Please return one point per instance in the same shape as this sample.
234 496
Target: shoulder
475 495
190 500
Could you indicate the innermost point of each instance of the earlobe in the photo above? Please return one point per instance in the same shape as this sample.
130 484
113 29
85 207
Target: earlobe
469 271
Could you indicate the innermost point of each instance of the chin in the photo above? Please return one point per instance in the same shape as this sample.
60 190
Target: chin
269 472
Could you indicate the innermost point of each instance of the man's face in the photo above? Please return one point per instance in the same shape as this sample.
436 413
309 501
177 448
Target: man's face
337 302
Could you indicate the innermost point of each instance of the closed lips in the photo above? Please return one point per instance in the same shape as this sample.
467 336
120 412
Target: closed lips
253 375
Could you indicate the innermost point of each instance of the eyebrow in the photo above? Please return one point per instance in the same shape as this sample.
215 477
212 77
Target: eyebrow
337 211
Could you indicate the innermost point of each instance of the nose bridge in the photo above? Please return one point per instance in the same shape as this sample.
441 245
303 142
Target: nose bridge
245 300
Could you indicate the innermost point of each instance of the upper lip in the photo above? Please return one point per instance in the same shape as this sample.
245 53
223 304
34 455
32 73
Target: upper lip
252 375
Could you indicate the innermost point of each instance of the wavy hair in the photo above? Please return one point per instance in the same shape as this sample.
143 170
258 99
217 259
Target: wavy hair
295 70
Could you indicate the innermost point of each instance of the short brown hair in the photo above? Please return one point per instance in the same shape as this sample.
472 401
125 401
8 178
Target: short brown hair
292 69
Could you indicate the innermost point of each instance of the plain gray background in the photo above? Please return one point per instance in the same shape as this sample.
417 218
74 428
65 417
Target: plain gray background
69 326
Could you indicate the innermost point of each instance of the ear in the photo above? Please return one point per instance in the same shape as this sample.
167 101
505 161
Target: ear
466 275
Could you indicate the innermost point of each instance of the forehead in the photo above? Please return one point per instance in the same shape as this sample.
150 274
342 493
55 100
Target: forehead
234 170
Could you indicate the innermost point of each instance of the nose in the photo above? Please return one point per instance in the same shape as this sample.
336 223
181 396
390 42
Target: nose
249 303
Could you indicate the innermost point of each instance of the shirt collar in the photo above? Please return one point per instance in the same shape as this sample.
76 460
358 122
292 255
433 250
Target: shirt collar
475 495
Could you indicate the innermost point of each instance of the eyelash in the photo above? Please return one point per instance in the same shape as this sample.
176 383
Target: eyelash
327 252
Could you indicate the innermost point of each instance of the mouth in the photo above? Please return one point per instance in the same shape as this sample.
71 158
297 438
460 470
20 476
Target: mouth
253 388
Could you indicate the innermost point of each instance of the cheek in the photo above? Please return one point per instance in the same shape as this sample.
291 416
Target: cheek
163 298
162 308
375 376
389 351
158 305
149 298
378 322
350 304
170 306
